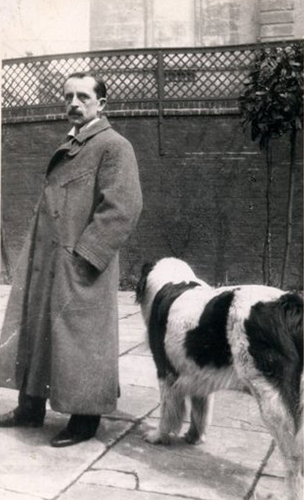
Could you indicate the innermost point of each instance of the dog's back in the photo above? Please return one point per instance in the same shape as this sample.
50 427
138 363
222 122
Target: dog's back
158 274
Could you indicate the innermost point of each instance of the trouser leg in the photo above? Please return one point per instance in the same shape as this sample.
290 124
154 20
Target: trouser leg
30 406
30 412
80 428
85 425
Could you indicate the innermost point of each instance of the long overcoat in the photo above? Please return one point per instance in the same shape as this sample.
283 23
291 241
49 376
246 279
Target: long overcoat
60 332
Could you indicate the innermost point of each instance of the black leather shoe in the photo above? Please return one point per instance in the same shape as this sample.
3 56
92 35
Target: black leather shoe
68 437
18 418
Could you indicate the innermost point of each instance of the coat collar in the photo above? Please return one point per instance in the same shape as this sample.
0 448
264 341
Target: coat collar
72 132
74 144
88 132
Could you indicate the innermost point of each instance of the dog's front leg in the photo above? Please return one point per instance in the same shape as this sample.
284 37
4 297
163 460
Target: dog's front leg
201 416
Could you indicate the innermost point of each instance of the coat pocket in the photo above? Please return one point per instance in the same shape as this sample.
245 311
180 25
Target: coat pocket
82 270
79 196
78 177
53 200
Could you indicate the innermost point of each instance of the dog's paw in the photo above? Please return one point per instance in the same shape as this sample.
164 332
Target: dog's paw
154 437
192 438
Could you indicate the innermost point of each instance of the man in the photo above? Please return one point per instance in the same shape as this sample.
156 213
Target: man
60 334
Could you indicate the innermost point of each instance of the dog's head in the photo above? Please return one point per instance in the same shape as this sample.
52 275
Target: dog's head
142 283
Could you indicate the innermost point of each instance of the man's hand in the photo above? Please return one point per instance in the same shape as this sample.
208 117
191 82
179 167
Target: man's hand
85 270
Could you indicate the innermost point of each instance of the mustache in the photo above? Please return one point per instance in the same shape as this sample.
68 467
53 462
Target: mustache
74 113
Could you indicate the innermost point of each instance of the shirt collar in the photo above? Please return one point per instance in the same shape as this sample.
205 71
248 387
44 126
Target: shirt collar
73 133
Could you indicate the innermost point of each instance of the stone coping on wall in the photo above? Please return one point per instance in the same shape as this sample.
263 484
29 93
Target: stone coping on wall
27 117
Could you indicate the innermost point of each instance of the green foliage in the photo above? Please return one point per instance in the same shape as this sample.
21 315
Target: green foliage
272 103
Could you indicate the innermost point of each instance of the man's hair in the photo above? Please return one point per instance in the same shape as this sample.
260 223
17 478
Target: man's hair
100 87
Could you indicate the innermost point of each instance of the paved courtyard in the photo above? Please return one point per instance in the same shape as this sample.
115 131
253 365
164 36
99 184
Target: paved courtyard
238 460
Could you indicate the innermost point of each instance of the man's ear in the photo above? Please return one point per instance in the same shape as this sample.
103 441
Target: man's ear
102 104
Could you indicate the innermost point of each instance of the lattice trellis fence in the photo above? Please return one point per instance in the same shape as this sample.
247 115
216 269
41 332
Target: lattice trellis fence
144 79
129 77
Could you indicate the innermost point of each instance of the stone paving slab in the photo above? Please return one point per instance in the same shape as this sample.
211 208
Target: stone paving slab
8 398
133 318
220 469
271 488
231 409
10 495
125 346
33 467
132 328
135 402
129 305
130 340
138 370
28 464
121 479
271 483
86 491
142 349
4 293
237 410
274 466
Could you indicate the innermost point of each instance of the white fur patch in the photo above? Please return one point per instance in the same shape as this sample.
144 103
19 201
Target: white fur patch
244 298
167 270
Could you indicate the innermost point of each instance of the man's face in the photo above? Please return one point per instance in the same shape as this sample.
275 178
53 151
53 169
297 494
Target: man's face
82 104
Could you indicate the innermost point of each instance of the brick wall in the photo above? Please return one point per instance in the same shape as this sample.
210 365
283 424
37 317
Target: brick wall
204 199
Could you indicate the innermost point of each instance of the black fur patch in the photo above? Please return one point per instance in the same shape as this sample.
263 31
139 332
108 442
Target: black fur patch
275 333
158 324
207 344
142 283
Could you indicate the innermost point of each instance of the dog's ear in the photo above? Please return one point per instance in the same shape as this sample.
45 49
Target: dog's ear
142 283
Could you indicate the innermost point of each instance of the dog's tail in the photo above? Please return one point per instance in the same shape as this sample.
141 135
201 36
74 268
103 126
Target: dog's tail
291 317
275 332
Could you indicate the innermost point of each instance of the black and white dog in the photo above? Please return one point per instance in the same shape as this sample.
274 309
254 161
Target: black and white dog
203 340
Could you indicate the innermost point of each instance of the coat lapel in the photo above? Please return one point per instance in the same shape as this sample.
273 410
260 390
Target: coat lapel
75 144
